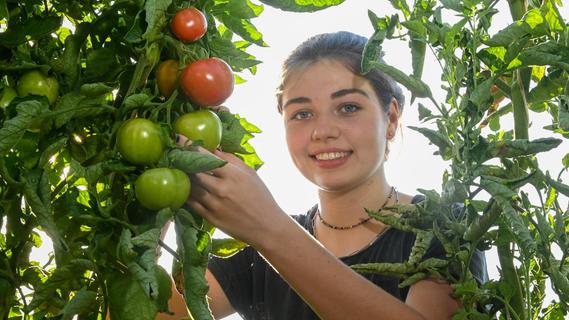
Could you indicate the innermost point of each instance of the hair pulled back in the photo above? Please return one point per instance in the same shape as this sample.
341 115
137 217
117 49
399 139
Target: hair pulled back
347 48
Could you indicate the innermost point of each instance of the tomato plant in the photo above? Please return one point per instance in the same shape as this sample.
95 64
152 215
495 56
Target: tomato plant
140 141
167 77
207 82
202 125
161 188
69 183
189 25
36 83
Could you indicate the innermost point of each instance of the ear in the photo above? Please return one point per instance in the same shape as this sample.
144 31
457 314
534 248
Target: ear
392 118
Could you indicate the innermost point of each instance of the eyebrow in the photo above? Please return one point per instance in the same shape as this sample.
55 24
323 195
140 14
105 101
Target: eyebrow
334 95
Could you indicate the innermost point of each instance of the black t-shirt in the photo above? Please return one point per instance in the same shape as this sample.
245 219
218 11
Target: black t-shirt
257 292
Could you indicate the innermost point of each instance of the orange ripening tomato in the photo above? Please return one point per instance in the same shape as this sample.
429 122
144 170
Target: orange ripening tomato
167 77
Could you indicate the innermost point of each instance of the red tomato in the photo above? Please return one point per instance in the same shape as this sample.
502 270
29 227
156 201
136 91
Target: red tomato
189 25
207 82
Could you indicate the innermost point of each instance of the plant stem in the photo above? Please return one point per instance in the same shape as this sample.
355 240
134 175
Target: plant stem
510 275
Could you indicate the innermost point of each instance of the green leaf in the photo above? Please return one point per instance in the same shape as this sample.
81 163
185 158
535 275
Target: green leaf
13 129
546 89
417 87
235 56
510 34
3 9
148 239
438 139
546 54
156 18
402 6
424 112
242 9
95 89
134 101
301 5
83 302
127 299
32 28
481 94
503 195
565 160
520 147
372 50
455 5
242 27
227 247
193 161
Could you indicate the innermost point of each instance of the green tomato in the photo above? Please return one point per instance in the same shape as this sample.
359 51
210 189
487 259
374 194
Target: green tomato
36 83
202 125
161 188
139 141
8 94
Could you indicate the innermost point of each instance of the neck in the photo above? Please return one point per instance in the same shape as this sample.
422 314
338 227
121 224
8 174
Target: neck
348 207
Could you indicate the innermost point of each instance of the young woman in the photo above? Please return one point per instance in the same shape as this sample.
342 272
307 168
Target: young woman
338 125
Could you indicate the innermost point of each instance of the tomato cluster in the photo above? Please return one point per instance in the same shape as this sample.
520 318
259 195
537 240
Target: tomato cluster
205 83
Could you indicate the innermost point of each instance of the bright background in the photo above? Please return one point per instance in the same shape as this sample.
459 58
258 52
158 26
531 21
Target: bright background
411 164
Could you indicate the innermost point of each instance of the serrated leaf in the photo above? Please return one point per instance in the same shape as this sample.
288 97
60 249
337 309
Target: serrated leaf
193 161
156 17
148 239
83 302
424 112
242 27
301 5
13 129
224 248
438 139
32 28
243 9
127 299
372 50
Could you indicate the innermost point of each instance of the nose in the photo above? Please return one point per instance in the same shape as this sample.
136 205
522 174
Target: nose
325 129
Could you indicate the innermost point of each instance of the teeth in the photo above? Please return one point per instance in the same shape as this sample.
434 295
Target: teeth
331 155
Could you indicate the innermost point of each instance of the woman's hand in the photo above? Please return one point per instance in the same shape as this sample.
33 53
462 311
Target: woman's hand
234 199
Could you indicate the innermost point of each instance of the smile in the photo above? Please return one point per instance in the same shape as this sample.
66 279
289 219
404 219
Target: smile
331 155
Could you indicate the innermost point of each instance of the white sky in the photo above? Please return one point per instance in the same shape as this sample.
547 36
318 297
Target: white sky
411 164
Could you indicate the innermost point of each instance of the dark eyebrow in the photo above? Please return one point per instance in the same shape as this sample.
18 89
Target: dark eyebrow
296 100
343 92
334 95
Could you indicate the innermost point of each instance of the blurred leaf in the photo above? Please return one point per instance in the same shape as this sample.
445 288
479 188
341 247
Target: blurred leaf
301 5
83 302
242 9
127 299
32 28
227 247
242 27
372 50
424 112
510 34
13 129
563 116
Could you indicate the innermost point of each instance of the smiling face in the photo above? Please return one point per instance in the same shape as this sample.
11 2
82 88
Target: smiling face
336 129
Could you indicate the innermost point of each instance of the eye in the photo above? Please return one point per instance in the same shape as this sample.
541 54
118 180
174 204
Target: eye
349 108
301 115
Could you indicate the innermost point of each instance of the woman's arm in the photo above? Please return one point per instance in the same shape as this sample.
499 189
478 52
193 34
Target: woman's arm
236 200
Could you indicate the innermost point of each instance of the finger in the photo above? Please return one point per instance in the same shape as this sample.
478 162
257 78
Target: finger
184 142
231 158
219 109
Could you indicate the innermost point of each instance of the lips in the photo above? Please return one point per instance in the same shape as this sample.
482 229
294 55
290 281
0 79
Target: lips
330 159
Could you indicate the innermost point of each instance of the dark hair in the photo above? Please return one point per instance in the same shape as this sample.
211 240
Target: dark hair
347 48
